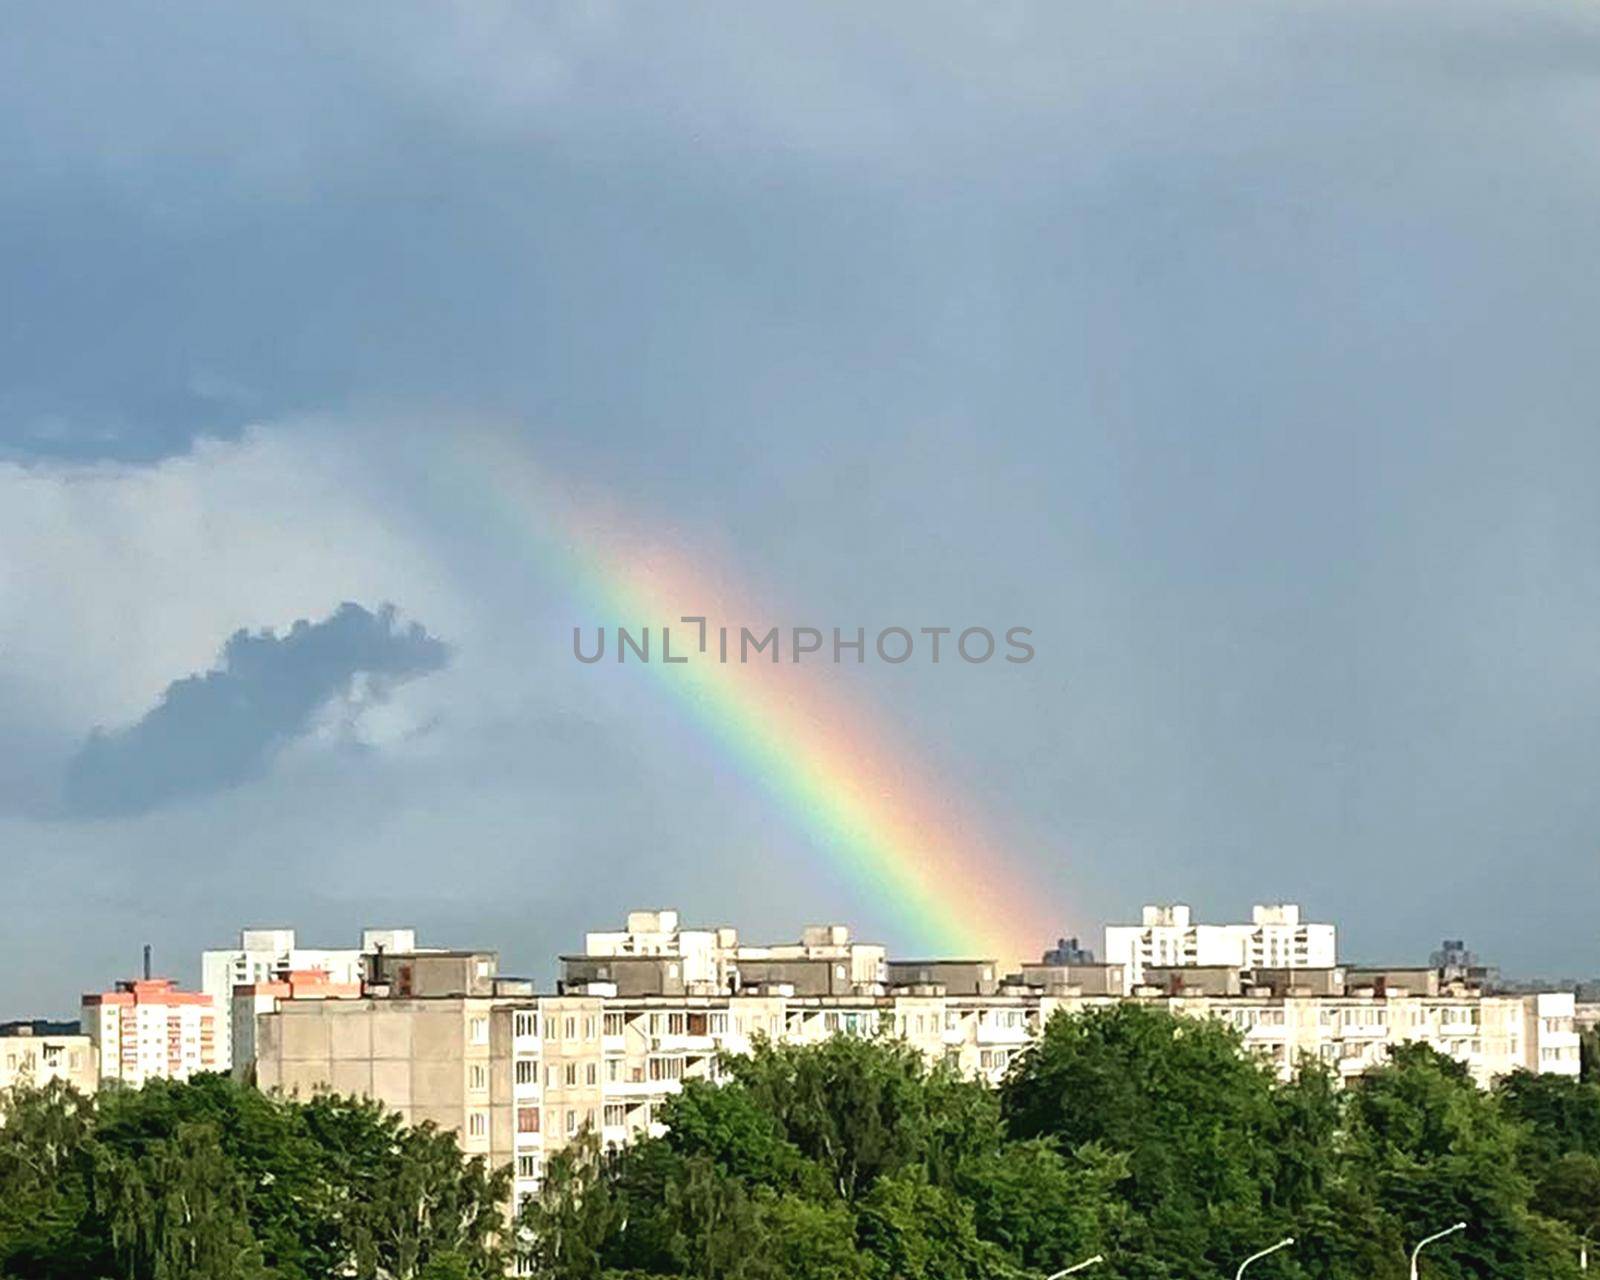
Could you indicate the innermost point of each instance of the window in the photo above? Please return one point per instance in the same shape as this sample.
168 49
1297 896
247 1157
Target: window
615 1024
477 1077
592 1073
477 1124
571 1029
527 1071
527 1167
719 1024
550 1077
478 1028
527 1119
675 1024
527 1024
616 1115
572 1073
572 1123
666 1068
589 1027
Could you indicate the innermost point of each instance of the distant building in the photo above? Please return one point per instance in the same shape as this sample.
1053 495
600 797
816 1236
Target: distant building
1067 952
1457 964
264 955
147 1029
1168 937
37 1052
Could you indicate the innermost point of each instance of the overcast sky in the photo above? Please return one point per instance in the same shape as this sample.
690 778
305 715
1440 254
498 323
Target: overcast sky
1247 353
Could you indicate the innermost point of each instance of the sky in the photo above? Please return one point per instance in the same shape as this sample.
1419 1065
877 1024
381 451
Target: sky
1246 354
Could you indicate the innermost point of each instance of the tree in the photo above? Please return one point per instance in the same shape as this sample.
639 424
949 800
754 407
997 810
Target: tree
175 1209
1193 1115
563 1230
46 1152
213 1179
1430 1148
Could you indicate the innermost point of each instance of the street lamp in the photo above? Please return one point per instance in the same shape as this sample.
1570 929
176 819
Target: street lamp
1282 1244
1077 1266
1427 1240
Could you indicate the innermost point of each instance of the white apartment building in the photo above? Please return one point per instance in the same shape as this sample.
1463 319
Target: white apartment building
713 960
147 1029
1168 937
264 955
1352 1034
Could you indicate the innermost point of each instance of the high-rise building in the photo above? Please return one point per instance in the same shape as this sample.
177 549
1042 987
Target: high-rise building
147 1029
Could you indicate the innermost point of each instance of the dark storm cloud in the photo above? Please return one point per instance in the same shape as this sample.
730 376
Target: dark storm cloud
214 731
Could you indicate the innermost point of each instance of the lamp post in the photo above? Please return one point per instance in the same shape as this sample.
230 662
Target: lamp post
1427 1240
1254 1257
1077 1266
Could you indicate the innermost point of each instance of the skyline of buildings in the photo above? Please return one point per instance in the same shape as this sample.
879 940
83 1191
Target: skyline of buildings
441 1035
1167 933
516 1073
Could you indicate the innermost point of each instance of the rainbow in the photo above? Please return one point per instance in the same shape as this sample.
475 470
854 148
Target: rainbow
905 843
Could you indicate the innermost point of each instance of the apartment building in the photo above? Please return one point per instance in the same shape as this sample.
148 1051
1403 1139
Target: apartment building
264 955
442 1037
147 1029
1351 1034
654 954
652 1043
1169 937
33 1054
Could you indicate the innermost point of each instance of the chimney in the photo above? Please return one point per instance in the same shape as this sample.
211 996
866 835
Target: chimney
147 962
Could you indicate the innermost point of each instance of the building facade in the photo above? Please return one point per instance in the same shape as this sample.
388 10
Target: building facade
147 1029
33 1054
514 1077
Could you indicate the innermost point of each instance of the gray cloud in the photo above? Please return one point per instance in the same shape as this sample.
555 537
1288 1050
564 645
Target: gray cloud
1244 351
213 731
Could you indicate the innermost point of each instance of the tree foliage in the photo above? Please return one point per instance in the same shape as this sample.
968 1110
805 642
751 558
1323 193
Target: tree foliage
1153 1139
212 1180
1156 1140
